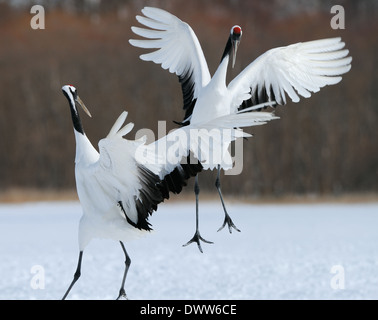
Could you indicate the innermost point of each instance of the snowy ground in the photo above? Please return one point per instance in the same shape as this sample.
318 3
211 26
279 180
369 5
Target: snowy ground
283 252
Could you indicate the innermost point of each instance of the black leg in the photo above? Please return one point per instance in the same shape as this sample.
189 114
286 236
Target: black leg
197 236
227 218
122 292
76 275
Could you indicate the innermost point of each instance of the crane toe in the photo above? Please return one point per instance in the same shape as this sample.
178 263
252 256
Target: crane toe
197 238
230 224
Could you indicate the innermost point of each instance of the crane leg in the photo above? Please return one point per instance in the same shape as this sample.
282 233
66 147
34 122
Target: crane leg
122 292
76 275
227 218
197 236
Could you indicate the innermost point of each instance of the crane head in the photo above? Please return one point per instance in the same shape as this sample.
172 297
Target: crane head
236 33
71 93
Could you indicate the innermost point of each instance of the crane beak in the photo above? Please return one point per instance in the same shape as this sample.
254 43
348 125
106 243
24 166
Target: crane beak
82 105
235 45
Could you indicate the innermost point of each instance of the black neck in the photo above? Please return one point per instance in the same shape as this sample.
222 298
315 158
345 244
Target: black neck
76 120
227 49
75 116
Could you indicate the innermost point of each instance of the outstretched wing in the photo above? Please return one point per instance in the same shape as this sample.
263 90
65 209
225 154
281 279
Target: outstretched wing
120 177
205 144
136 187
137 176
295 70
179 51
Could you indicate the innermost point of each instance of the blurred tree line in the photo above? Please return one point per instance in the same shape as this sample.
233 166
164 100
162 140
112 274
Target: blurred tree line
327 144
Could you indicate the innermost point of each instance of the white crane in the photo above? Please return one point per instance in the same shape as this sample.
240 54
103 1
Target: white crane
297 69
121 185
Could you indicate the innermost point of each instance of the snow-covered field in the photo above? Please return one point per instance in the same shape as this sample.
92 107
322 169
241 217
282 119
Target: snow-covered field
286 251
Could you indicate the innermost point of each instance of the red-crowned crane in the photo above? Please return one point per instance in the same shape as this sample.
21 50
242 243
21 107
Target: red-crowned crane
121 185
295 70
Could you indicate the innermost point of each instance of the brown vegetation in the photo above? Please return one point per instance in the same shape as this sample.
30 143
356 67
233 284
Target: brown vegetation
323 145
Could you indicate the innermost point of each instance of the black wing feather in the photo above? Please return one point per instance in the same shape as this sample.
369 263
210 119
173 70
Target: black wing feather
187 86
261 94
155 190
